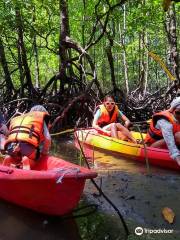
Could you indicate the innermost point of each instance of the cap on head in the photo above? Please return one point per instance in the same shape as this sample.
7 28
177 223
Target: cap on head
175 103
38 108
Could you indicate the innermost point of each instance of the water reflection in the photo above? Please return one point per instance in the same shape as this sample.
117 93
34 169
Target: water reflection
20 223
64 148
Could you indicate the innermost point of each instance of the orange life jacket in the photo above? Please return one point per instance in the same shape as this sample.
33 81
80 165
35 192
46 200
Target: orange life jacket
27 128
105 118
155 134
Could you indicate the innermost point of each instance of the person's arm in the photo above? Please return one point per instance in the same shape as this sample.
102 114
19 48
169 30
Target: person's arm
167 132
127 122
4 129
95 122
46 144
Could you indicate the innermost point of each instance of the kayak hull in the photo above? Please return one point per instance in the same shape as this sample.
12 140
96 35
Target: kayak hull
53 188
137 152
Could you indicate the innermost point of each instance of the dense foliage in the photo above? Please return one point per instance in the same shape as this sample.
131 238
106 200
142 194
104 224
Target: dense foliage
109 44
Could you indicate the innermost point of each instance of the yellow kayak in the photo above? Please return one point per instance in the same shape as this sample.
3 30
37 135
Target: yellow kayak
156 156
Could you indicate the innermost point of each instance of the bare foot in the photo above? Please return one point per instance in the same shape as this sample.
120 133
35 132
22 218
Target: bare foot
26 163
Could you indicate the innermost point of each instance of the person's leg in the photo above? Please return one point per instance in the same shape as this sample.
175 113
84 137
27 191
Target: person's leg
114 132
121 136
162 144
112 129
28 152
159 144
125 132
177 138
28 163
8 160
13 157
11 160
107 128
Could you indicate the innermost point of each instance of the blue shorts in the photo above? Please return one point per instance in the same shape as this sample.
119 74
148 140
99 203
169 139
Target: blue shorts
23 149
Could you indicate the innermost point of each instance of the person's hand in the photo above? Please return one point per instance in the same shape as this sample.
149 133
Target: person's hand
105 132
128 124
178 160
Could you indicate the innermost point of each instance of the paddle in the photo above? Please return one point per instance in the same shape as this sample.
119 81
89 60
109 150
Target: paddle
72 130
147 122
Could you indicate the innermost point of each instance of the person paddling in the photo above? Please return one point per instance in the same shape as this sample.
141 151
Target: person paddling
106 121
28 138
164 130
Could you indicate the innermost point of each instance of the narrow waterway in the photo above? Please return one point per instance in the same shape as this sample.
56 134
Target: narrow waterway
138 196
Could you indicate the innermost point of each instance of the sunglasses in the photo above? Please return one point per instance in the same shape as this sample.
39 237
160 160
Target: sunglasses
110 103
177 112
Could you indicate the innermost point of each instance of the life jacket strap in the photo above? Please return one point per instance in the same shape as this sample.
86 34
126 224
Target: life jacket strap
30 133
154 135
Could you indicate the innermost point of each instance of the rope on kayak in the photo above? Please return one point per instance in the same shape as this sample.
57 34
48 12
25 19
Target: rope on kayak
90 128
68 131
145 149
63 132
102 193
64 171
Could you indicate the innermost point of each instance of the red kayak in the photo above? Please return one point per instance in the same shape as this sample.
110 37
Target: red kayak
54 187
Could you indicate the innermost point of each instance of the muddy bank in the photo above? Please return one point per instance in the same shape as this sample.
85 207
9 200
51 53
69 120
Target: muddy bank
140 198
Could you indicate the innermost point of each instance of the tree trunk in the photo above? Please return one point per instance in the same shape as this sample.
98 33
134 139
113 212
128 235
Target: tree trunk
170 26
22 52
122 39
146 66
20 67
141 63
111 65
64 32
36 58
8 80
36 55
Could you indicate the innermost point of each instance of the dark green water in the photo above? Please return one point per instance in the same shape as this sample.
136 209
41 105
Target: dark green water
98 225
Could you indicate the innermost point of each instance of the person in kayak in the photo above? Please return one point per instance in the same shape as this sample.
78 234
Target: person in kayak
3 127
164 130
106 121
3 132
28 138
